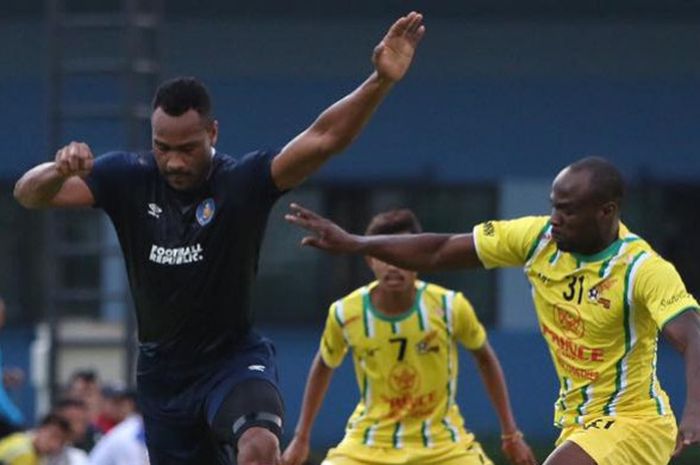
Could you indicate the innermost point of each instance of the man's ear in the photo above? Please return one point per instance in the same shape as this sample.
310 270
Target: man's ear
214 132
610 209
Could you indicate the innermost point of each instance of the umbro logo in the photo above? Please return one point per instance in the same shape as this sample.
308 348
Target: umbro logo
260 368
154 210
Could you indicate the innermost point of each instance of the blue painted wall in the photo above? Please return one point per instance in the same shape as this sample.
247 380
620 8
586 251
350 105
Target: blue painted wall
485 98
471 130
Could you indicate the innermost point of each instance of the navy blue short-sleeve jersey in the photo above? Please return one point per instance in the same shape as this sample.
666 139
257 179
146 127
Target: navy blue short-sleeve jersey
191 257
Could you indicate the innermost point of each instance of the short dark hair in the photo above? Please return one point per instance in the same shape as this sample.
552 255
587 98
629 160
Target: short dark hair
606 183
394 222
68 402
179 95
87 375
56 420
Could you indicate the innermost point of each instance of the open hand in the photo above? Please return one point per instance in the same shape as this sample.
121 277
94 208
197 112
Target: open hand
75 159
688 432
393 55
518 451
296 452
326 235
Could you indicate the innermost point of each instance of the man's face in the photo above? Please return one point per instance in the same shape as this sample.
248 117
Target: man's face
78 419
182 146
578 219
49 439
391 278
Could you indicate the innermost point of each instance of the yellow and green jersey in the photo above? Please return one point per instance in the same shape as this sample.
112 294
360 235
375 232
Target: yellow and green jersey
406 366
600 315
17 449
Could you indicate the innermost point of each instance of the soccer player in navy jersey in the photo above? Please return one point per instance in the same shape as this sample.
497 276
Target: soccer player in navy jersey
190 221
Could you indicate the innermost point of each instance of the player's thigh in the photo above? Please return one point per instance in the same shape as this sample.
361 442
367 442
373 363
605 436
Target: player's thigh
346 454
178 443
569 453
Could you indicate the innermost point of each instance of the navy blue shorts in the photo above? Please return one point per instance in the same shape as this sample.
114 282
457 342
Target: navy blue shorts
195 413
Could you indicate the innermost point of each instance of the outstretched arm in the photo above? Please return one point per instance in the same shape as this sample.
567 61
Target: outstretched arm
317 383
343 121
512 442
421 252
684 333
58 183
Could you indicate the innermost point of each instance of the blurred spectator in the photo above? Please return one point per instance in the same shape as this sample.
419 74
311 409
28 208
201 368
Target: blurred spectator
85 385
30 447
118 403
84 435
125 444
75 412
11 419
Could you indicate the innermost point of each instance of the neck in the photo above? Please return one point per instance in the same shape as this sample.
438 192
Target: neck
392 302
610 236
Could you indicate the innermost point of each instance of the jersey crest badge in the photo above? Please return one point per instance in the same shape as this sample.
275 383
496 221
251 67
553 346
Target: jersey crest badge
154 210
205 211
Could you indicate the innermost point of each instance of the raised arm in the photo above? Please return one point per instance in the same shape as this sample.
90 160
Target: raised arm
512 441
58 183
343 121
317 383
420 252
684 334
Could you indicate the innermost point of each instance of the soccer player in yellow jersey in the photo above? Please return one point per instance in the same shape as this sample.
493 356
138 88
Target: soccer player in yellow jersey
602 295
403 334
29 448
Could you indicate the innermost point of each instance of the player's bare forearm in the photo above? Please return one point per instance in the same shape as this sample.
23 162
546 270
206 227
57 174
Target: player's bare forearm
495 383
343 121
684 334
339 125
422 252
38 186
58 183
320 374
513 443
314 393
334 130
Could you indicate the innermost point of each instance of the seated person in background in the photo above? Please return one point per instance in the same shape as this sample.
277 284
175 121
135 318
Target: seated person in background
404 336
85 385
76 413
30 447
119 402
125 444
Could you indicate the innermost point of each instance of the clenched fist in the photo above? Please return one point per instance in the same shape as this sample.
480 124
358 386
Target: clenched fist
75 159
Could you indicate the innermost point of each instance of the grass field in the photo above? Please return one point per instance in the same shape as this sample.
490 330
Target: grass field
492 447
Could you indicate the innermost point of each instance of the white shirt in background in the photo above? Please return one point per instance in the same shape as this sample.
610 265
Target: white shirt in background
124 444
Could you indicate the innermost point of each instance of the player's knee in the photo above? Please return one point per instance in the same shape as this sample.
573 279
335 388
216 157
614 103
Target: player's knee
258 446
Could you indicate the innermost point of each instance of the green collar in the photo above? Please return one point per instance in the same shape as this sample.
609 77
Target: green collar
393 318
608 252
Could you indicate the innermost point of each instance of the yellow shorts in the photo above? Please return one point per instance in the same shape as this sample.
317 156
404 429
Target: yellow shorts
625 440
453 454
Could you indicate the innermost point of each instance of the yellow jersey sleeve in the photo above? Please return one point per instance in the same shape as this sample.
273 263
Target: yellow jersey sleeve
333 344
660 289
510 242
468 329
